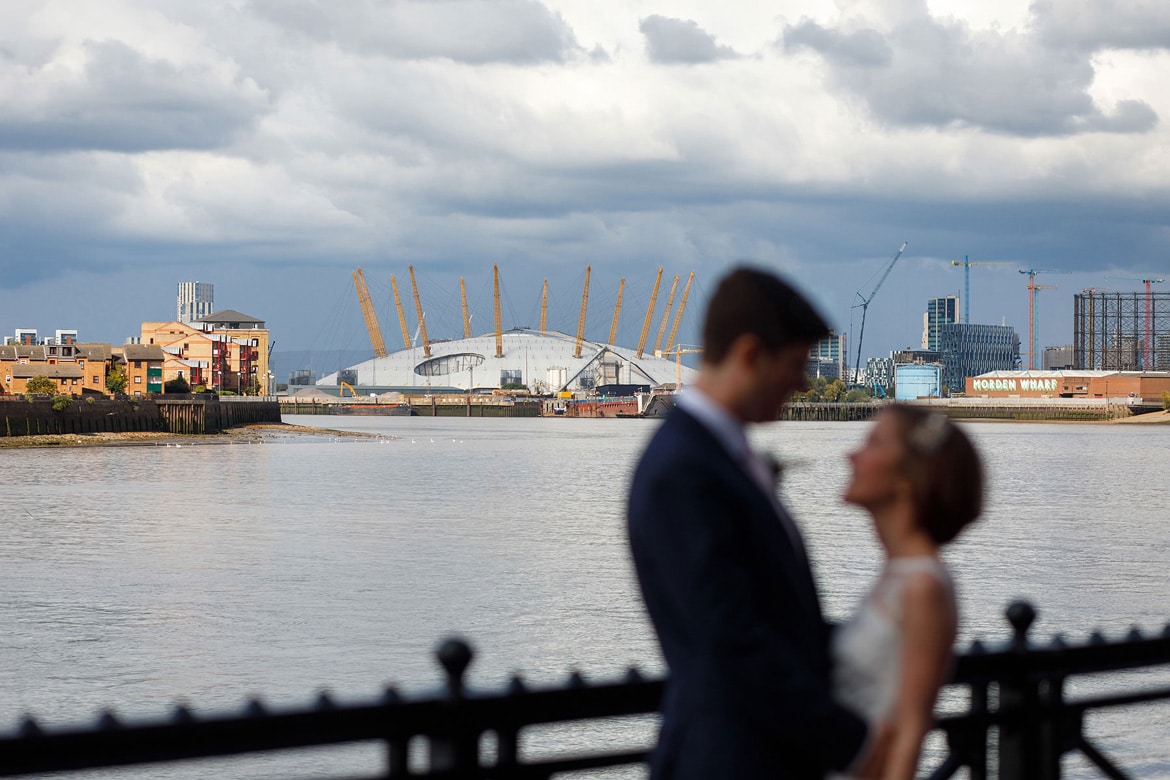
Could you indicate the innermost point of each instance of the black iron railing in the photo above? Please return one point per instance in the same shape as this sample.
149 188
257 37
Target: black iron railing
1017 725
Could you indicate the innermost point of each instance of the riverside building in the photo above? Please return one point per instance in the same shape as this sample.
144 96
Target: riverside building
969 349
196 300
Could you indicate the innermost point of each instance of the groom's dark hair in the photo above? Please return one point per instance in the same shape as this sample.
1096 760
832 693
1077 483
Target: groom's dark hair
751 300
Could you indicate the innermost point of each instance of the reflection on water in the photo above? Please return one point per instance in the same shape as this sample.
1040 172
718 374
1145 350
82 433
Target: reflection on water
136 575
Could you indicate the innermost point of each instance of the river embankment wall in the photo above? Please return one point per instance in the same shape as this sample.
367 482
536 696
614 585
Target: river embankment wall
22 417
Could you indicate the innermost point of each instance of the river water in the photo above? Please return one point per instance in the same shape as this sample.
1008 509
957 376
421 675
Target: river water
138 576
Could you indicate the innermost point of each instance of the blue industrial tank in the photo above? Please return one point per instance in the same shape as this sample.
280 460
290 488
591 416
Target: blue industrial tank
917 380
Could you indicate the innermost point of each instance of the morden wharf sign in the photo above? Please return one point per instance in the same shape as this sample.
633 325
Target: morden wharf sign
1015 385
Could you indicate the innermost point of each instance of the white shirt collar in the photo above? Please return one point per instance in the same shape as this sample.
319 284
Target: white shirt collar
728 430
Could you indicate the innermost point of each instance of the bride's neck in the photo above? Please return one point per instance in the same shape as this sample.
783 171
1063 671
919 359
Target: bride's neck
900 533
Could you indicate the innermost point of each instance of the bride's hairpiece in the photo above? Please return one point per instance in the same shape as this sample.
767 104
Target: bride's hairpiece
930 433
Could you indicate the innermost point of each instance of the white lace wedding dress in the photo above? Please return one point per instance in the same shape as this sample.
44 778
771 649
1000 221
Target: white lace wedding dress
867 649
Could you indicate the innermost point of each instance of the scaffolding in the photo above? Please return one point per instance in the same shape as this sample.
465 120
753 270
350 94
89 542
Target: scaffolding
1121 331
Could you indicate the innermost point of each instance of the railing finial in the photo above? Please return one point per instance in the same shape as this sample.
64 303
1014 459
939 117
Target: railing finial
455 656
1021 614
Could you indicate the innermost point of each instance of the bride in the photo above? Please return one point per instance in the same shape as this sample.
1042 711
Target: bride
920 479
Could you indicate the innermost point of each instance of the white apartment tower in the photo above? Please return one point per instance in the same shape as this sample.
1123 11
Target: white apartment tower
196 301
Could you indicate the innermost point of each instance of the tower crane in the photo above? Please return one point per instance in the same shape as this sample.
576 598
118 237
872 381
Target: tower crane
1034 288
581 318
359 281
866 301
1147 281
967 281
678 351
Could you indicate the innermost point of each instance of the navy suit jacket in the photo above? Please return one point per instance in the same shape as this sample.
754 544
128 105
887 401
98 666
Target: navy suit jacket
737 615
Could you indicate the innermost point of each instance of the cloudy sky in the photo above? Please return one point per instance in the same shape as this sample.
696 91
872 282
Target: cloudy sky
271 147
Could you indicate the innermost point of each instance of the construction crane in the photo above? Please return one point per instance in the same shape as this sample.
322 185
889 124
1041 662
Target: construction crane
1147 281
496 306
422 321
967 281
665 318
866 301
1034 288
678 351
581 318
617 312
682 305
359 281
649 315
401 317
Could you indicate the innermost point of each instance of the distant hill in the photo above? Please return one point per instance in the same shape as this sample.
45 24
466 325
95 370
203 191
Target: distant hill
321 361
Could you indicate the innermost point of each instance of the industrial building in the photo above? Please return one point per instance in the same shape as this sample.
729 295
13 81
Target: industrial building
1122 331
1141 386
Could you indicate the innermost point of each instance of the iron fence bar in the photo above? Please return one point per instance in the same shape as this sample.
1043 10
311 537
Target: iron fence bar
1032 721
1119 700
1107 767
947 768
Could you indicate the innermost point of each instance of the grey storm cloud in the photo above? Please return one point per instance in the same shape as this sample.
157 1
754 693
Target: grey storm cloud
1090 25
122 101
468 31
680 42
925 72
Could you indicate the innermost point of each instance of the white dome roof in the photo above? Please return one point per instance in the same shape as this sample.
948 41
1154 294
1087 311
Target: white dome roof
543 362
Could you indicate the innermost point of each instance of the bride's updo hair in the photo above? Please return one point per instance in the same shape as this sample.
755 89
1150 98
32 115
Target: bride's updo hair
944 471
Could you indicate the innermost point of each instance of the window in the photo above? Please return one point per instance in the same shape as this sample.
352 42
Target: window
137 380
73 381
138 364
95 379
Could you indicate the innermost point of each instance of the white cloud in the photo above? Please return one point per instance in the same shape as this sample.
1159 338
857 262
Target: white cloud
458 134
913 69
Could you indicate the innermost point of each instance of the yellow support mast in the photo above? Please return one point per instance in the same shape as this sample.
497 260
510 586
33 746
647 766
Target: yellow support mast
649 315
466 319
617 312
665 318
682 305
401 316
422 322
499 319
544 309
359 281
581 318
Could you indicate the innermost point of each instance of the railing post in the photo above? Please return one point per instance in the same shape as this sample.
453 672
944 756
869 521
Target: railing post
457 749
1024 732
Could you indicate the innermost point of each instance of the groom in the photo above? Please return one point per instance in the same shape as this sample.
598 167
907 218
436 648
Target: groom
722 566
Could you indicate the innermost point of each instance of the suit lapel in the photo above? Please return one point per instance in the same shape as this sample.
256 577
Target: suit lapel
766 516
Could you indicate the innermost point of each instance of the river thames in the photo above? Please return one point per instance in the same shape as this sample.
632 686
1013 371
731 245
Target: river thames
138 576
